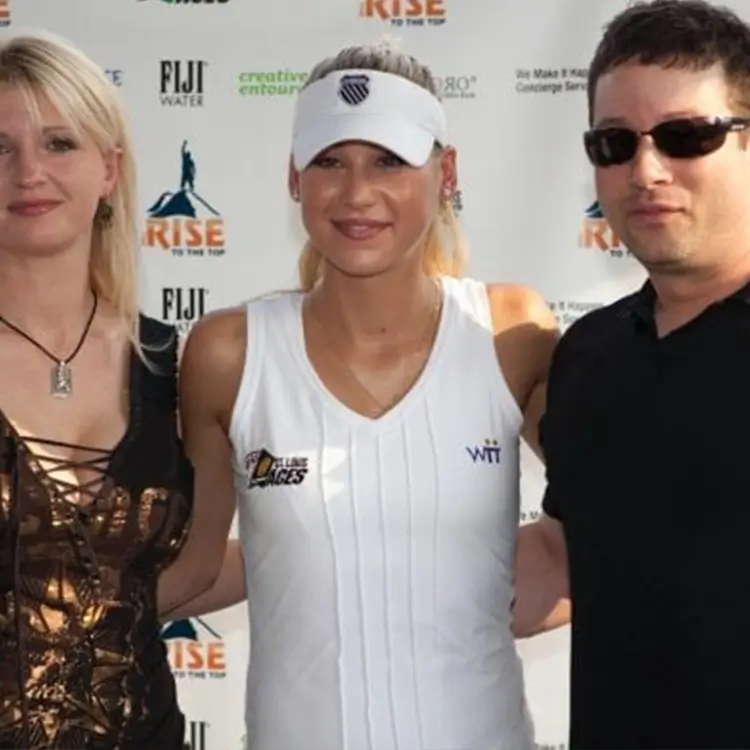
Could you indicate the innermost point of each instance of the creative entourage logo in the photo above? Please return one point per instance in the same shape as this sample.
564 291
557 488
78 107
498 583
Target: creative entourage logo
271 82
195 650
4 13
405 12
182 221
597 234
181 82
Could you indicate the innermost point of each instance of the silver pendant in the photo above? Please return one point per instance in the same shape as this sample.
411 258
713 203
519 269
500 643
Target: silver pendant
61 380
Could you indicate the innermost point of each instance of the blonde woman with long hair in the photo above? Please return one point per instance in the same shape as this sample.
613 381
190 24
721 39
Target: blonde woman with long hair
374 419
97 492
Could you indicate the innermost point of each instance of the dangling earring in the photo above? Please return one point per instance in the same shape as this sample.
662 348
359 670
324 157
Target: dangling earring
448 189
450 196
457 202
104 214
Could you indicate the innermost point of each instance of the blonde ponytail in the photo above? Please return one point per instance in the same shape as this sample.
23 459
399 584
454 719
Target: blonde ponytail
310 267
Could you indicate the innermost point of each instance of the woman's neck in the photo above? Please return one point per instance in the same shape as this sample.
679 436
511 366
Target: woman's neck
377 310
49 298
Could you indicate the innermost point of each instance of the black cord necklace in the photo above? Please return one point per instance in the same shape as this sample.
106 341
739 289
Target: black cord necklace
61 376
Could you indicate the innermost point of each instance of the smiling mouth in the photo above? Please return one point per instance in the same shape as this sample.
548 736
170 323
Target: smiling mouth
360 230
33 208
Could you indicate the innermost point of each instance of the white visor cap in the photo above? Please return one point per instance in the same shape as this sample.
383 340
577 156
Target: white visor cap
366 105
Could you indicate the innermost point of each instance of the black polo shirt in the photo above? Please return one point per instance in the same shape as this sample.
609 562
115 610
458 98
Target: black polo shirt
647 444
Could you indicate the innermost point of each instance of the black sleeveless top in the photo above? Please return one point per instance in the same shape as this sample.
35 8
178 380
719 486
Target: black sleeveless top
82 664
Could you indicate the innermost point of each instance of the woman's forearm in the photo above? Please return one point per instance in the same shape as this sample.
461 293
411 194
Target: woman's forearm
227 590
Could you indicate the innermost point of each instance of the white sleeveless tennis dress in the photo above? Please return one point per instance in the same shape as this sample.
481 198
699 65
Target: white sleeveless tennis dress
379 553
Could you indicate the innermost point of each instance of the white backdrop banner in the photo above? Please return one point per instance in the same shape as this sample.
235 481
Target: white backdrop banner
210 85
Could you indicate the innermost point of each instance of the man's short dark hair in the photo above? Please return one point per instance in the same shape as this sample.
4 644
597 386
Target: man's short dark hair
686 34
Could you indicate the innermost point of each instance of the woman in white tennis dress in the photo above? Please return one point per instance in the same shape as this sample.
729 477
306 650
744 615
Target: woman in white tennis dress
373 420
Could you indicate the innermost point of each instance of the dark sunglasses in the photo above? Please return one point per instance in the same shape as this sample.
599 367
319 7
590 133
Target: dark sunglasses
685 138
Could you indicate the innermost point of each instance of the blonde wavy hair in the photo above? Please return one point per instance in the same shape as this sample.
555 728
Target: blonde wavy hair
44 65
445 247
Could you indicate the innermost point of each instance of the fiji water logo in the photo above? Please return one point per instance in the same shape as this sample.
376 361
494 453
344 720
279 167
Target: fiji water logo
486 453
183 306
181 221
196 735
405 12
195 650
597 234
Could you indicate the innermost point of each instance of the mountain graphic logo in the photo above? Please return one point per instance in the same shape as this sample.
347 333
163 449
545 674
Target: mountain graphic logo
594 211
182 202
186 630
181 220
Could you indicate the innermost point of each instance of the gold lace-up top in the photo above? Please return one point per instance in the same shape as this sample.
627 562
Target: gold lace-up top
82 664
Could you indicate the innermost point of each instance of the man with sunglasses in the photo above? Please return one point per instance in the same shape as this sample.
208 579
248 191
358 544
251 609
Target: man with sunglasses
647 509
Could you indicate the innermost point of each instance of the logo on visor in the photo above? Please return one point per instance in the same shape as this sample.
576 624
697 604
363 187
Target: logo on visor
354 89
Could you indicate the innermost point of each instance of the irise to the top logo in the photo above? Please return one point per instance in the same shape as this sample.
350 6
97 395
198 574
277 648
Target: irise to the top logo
174 222
405 12
597 234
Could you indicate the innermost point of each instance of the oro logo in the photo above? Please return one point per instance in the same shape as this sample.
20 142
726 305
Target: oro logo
456 87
